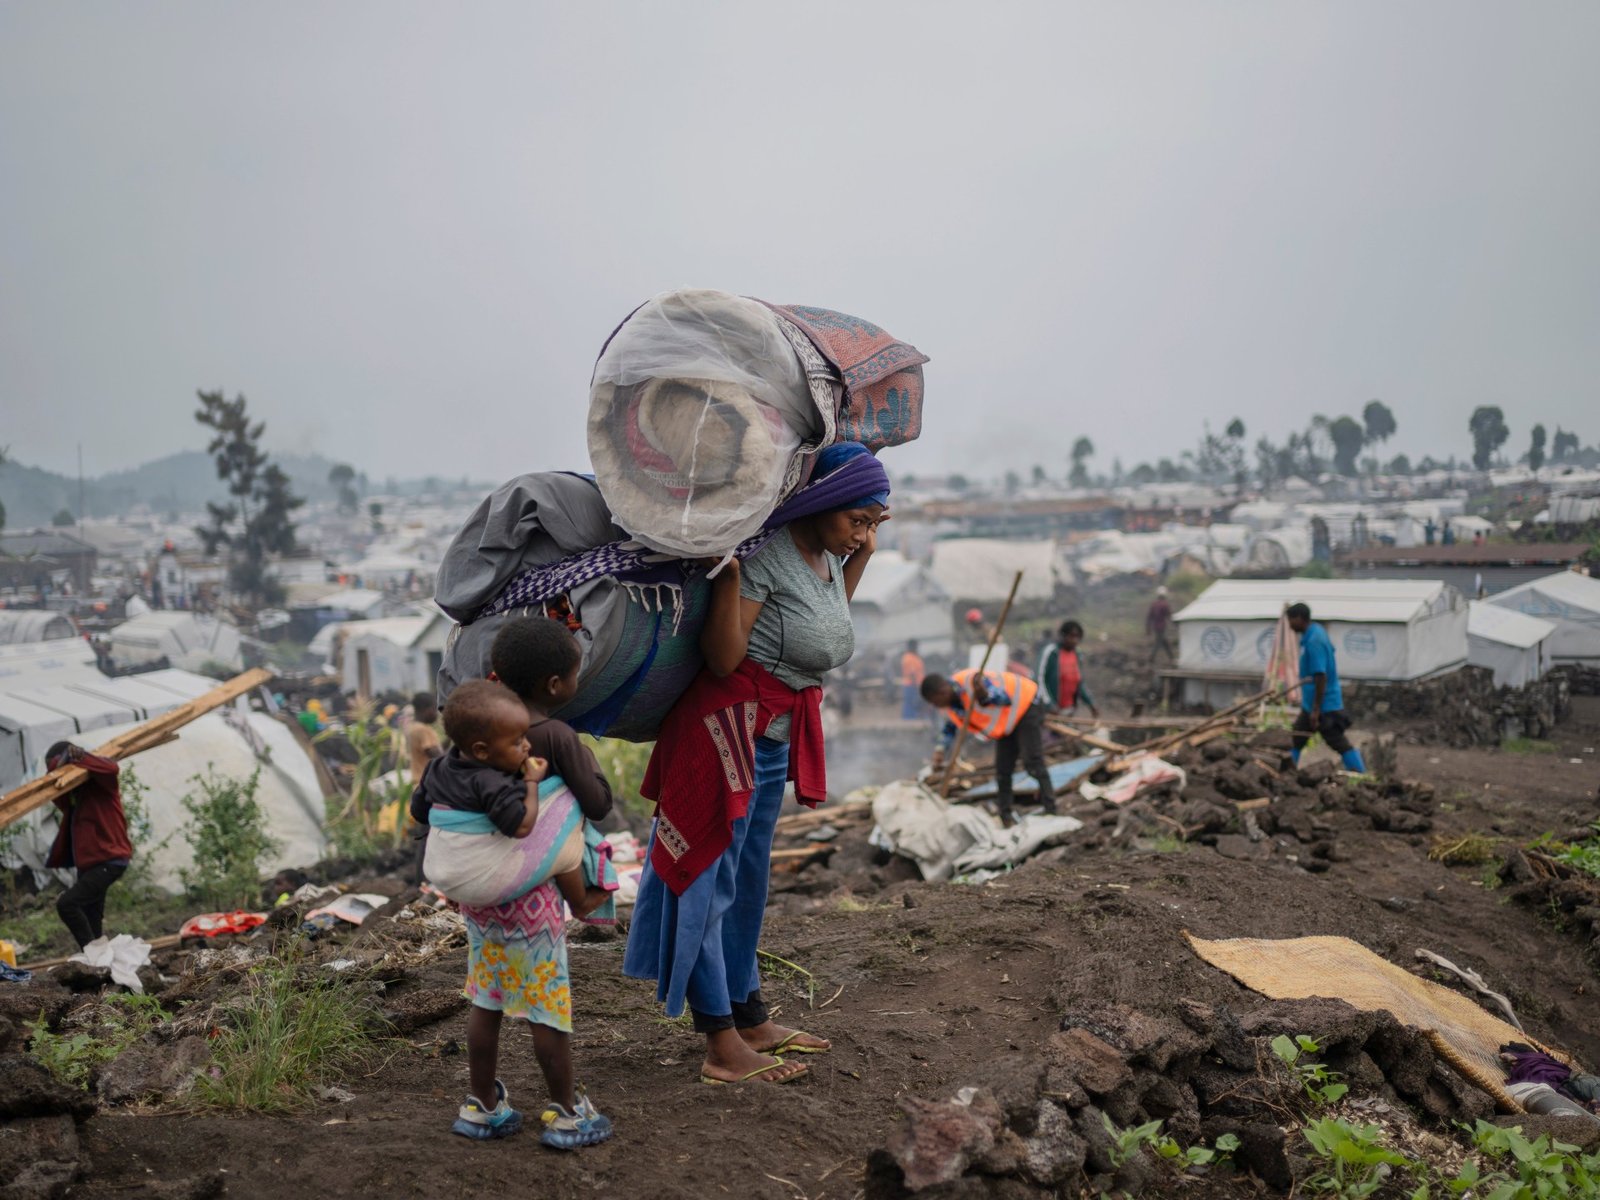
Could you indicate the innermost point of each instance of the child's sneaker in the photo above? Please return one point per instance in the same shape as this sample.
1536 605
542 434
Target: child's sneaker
481 1123
583 1126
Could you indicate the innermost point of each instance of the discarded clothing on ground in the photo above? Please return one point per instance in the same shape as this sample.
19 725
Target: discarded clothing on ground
10 974
1146 772
1524 1064
946 839
122 955
216 924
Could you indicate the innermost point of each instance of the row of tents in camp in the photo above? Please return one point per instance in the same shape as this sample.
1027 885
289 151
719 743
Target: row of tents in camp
53 688
1388 630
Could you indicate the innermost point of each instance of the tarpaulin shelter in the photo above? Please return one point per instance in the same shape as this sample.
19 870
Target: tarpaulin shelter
33 625
982 569
1513 645
1570 602
181 639
897 600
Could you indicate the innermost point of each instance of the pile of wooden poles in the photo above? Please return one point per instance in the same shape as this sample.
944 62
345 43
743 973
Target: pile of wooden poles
1075 742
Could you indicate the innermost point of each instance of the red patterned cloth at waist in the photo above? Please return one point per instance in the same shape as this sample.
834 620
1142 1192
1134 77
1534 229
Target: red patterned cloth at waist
703 768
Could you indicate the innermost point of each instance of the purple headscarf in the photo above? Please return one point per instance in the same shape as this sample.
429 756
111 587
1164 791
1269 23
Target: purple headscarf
847 476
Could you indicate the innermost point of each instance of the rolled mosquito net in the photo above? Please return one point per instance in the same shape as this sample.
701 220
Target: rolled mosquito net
698 406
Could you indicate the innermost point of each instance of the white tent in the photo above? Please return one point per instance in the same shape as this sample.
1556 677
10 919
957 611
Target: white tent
1571 602
40 705
1382 629
185 639
1281 549
393 654
59 661
981 569
1511 644
33 625
897 600
352 604
229 744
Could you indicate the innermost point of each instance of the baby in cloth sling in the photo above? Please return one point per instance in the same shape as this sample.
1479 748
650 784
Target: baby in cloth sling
500 822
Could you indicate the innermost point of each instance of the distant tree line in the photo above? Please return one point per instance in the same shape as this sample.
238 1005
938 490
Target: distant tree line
1343 445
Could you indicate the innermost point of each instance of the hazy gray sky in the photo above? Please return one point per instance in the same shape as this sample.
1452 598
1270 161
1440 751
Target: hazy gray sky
403 230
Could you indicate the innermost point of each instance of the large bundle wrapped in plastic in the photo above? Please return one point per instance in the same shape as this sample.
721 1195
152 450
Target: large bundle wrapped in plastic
698 414
545 544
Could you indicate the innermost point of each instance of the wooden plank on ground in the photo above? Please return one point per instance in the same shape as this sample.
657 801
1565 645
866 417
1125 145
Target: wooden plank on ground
38 792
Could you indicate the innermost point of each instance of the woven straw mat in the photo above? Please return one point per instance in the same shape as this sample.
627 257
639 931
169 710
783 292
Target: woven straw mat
1338 969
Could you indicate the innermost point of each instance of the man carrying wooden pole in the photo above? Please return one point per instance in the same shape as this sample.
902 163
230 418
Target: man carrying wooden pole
93 837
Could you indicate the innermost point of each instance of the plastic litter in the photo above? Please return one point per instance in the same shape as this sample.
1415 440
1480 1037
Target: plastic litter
353 907
122 955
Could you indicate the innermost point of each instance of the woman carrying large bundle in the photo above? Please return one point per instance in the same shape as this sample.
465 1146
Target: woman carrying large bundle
750 722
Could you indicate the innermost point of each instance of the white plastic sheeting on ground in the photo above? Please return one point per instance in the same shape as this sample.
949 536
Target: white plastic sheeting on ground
1511 644
1384 629
946 839
1570 602
230 744
122 955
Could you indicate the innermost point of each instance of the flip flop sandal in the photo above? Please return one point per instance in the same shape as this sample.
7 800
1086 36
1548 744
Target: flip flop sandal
713 1081
790 1046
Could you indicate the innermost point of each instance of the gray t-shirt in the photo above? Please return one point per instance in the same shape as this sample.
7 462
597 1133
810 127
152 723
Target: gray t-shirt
804 629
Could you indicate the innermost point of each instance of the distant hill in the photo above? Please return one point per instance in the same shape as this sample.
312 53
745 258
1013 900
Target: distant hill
178 483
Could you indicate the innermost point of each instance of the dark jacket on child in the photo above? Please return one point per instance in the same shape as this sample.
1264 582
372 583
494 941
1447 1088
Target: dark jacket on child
455 781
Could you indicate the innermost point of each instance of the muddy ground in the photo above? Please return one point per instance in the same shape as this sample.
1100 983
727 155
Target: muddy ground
923 988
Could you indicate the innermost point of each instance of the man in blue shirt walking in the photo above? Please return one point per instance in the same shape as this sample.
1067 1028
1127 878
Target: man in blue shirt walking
1321 699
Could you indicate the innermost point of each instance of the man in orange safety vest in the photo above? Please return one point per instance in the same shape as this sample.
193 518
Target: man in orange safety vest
1002 710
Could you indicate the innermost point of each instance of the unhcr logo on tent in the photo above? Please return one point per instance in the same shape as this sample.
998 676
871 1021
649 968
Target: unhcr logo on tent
1217 642
1264 644
1361 643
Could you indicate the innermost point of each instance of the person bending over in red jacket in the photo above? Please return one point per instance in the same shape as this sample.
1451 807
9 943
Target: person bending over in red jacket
93 838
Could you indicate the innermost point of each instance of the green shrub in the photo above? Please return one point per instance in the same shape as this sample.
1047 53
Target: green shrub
624 764
356 822
228 834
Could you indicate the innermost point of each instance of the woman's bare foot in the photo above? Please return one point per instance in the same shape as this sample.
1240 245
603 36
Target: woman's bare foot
730 1060
771 1038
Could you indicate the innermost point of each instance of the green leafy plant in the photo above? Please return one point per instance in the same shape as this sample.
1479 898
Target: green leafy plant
1195 1156
624 765
228 834
364 822
1583 856
1520 1169
138 881
119 1021
296 1029
1320 1084
1353 1160
1126 1143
